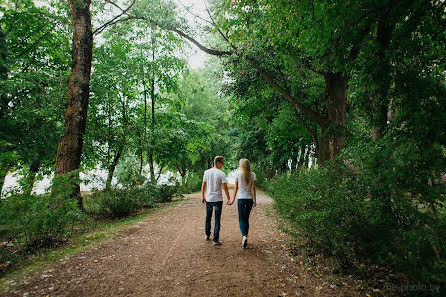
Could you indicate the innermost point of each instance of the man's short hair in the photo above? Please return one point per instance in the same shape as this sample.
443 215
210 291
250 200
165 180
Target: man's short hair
218 159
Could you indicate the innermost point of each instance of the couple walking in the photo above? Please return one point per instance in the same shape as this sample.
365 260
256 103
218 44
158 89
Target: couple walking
244 191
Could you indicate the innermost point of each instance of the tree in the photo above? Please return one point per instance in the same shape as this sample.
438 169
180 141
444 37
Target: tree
69 150
35 58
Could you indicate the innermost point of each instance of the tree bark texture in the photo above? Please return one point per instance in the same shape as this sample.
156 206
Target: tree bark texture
69 150
152 167
3 77
333 135
336 85
152 98
112 167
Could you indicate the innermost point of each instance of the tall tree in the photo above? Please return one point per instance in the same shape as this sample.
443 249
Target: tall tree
69 150
36 59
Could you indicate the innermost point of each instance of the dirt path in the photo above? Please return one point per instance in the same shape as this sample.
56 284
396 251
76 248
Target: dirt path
167 255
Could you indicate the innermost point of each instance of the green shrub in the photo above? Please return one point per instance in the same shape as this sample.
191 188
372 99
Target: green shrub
165 193
383 208
261 178
37 220
118 203
193 182
115 203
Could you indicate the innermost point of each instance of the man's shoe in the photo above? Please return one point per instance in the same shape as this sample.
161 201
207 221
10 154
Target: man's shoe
244 241
207 237
218 242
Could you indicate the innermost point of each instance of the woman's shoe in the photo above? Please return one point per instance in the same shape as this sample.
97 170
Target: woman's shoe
244 241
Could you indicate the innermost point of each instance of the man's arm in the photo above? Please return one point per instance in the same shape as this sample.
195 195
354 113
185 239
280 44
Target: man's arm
225 188
203 192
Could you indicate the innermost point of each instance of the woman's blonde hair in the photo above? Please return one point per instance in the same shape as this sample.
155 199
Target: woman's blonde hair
245 166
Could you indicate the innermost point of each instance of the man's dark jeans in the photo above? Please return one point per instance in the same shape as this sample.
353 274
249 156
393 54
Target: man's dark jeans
244 209
209 207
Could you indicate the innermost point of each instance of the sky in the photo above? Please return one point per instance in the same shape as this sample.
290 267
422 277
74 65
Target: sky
197 57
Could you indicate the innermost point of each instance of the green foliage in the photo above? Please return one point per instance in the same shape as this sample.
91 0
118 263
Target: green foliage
198 120
377 207
40 220
116 203
262 179
193 182
165 193
127 172
119 203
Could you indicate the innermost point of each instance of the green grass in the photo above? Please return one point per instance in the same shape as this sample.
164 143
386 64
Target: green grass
101 231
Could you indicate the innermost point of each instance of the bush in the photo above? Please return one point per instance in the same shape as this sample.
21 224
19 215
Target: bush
193 182
165 193
261 178
37 220
115 203
118 203
384 208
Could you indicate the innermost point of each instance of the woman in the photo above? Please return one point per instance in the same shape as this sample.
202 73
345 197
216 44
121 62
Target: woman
245 192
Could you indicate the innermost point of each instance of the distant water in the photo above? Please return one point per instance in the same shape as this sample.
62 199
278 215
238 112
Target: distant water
91 181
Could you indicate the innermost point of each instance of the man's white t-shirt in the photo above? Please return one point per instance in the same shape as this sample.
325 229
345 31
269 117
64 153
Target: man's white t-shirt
244 191
214 178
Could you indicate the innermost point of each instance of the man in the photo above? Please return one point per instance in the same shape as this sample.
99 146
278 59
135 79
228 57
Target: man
211 193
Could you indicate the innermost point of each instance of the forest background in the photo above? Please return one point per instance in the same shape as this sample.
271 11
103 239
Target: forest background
339 105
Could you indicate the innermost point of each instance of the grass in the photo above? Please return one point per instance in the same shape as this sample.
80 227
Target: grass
101 231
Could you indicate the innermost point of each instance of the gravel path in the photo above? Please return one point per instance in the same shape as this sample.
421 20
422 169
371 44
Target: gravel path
167 255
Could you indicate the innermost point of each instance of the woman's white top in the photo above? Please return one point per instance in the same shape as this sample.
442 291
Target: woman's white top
244 191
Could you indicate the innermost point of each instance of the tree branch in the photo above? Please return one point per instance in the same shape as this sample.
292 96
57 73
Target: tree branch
34 43
218 28
351 24
312 133
161 171
113 20
313 115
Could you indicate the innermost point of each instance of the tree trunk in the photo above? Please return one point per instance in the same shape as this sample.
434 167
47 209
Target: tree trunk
160 172
381 75
4 102
333 136
152 97
31 177
182 169
145 120
323 154
152 167
112 167
69 150
140 150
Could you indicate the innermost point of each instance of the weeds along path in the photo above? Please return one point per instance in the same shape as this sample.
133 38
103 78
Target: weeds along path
167 255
